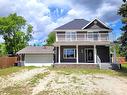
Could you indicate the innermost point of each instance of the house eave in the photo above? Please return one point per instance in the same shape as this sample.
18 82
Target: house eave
82 43
88 30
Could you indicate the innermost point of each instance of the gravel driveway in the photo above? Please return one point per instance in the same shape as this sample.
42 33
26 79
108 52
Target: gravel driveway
55 83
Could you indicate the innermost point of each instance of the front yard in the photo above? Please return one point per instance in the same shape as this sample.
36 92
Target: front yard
52 81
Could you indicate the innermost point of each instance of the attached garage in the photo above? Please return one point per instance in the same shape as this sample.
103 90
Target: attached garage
37 56
38 59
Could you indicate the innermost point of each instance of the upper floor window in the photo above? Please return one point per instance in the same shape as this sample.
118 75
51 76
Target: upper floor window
71 36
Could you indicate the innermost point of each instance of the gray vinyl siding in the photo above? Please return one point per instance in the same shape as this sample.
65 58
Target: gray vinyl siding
104 53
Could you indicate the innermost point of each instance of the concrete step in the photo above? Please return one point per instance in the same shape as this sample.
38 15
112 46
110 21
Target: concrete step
109 66
106 66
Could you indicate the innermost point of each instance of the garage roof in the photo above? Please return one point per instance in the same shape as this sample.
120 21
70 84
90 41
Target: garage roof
36 50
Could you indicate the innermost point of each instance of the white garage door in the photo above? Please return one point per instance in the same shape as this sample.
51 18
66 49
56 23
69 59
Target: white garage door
38 59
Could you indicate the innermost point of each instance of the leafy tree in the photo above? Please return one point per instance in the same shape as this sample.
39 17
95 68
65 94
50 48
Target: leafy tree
123 39
2 49
117 47
16 32
51 38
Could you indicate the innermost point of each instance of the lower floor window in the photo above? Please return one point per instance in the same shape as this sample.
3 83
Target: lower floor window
69 53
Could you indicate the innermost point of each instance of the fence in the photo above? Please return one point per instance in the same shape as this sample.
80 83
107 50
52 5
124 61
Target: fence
120 60
7 61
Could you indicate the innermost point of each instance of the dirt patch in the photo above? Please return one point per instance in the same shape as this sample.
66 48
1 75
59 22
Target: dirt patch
54 83
19 77
89 84
112 85
43 83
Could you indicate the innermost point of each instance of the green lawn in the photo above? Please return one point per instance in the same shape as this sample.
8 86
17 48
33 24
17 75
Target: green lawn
10 70
123 70
67 71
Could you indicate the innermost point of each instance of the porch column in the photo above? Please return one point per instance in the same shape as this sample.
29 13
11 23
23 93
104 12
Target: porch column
95 54
59 55
77 53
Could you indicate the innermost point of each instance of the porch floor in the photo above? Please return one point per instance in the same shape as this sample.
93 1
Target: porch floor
76 65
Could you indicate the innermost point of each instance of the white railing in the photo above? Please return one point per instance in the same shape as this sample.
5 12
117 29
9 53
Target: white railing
83 37
99 61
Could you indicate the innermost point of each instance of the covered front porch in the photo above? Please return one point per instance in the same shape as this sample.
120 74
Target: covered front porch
81 54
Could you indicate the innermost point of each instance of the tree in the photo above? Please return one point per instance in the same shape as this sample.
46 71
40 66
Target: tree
51 38
2 49
16 32
123 39
117 47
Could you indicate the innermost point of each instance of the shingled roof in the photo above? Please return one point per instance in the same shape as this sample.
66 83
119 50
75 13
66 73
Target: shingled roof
74 24
36 50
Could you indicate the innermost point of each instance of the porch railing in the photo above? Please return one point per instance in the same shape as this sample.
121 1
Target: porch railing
98 61
83 37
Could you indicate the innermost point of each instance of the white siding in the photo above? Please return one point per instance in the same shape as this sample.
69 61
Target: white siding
38 59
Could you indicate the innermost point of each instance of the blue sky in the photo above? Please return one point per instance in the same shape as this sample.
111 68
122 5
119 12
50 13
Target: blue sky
45 15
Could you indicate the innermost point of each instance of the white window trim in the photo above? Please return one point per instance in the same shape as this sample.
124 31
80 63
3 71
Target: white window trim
66 53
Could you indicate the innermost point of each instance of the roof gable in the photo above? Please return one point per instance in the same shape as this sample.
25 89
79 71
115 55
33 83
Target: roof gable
74 24
96 24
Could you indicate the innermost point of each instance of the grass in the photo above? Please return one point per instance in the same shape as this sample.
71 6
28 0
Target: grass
10 70
16 90
68 71
67 91
37 77
123 70
75 79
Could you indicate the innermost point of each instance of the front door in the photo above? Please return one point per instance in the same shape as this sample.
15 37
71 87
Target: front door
89 55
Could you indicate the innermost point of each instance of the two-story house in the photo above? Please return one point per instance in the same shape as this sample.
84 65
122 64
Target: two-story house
79 43
82 42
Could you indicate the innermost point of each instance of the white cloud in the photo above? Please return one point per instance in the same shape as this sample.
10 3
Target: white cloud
38 13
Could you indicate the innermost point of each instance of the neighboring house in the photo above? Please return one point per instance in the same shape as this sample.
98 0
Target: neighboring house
78 43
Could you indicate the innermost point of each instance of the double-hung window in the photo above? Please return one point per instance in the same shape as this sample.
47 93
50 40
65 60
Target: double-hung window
70 36
69 53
